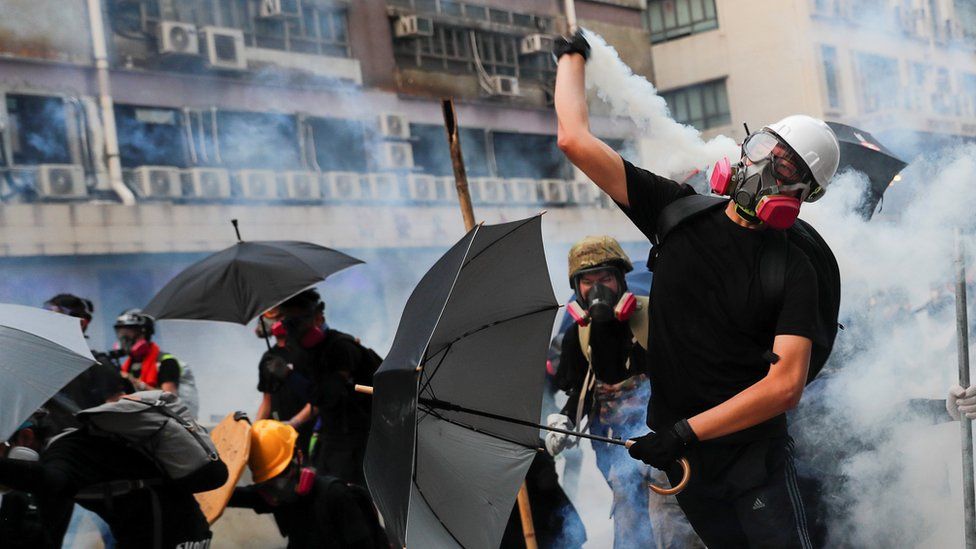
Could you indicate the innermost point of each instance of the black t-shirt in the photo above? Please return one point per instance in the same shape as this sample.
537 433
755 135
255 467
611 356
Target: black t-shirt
615 358
334 364
78 460
290 394
708 327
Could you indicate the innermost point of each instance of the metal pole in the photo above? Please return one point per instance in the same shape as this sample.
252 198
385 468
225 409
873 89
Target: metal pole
966 425
457 162
570 8
100 54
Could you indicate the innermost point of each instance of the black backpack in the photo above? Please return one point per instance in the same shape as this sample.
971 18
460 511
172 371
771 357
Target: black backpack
369 360
772 266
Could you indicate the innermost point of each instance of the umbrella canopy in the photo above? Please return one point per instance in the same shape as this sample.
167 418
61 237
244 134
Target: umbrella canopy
474 333
860 151
40 352
241 282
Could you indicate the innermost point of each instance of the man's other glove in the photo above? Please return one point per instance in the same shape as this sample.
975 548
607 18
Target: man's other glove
557 442
961 402
574 44
660 450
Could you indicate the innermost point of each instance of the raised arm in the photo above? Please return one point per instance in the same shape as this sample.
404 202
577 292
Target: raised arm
588 153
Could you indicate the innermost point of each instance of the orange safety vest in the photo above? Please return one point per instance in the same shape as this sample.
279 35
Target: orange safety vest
150 366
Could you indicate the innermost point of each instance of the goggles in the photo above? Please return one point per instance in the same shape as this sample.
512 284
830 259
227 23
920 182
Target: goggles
763 145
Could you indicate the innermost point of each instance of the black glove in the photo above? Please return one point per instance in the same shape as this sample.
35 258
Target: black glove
660 450
574 44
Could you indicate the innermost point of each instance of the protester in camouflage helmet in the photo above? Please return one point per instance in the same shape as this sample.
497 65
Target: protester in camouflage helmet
602 369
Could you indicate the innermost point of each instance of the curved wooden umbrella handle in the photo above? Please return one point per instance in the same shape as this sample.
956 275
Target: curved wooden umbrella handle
685 477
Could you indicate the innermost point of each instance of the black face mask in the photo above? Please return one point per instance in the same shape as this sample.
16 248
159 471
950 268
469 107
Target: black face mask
600 302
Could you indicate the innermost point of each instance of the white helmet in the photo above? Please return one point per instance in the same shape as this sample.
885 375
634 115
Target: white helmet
815 143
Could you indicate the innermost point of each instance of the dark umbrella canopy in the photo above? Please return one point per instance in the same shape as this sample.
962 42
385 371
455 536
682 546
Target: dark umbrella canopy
477 327
859 150
241 282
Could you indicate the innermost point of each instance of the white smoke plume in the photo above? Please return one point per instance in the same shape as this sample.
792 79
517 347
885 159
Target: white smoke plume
903 473
632 96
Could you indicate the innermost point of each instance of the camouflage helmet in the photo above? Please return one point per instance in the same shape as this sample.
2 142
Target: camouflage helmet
597 251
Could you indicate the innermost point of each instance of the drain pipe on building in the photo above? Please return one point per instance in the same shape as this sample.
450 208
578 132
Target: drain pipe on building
105 103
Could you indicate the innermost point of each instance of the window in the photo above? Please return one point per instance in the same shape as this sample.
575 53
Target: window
150 136
967 87
670 19
38 129
431 153
258 140
703 105
877 77
310 26
479 12
831 76
459 50
943 98
339 145
529 155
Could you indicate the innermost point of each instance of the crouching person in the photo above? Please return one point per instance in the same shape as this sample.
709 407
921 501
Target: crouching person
311 509
136 464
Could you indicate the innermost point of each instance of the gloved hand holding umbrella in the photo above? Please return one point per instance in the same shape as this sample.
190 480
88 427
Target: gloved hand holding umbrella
456 402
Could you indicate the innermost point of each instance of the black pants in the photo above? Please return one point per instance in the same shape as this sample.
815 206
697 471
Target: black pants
342 456
745 495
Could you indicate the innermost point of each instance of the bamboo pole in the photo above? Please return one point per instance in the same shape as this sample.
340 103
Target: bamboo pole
966 425
457 162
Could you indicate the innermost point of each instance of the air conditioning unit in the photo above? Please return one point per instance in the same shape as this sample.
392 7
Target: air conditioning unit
489 190
507 86
157 182
278 9
383 186
446 189
342 185
583 193
60 181
524 191
224 48
210 183
302 185
395 156
176 38
394 126
422 187
258 184
536 43
413 26
554 191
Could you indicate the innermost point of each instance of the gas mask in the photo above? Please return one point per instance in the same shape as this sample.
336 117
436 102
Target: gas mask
299 331
601 304
137 349
287 487
757 182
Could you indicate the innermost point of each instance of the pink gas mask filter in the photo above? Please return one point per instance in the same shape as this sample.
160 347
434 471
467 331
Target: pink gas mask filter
778 211
622 311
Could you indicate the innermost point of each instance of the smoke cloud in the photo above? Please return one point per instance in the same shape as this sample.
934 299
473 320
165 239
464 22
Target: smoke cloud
632 96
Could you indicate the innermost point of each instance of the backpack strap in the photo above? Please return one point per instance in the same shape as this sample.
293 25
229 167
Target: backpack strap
772 269
677 213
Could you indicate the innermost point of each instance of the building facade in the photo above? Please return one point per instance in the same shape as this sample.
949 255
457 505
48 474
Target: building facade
903 69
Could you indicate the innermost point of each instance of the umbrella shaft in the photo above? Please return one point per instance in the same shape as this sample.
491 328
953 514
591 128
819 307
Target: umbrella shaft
440 404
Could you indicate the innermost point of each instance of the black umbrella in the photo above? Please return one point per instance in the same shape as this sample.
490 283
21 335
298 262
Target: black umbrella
859 150
473 334
239 283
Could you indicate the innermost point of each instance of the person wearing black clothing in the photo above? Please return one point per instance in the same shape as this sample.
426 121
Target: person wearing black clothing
724 365
312 510
76 462
336 362
286 392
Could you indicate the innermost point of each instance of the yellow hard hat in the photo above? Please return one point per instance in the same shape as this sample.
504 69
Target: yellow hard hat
272 447
597 251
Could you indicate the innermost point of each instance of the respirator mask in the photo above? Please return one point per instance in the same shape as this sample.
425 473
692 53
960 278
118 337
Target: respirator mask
601 303
763 183
137 349
299 331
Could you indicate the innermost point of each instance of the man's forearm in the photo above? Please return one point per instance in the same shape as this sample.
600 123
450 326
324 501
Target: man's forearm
301 417
759 402
570 97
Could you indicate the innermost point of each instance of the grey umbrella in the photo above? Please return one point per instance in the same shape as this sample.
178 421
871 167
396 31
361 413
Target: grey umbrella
473 336
239 283
40 352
